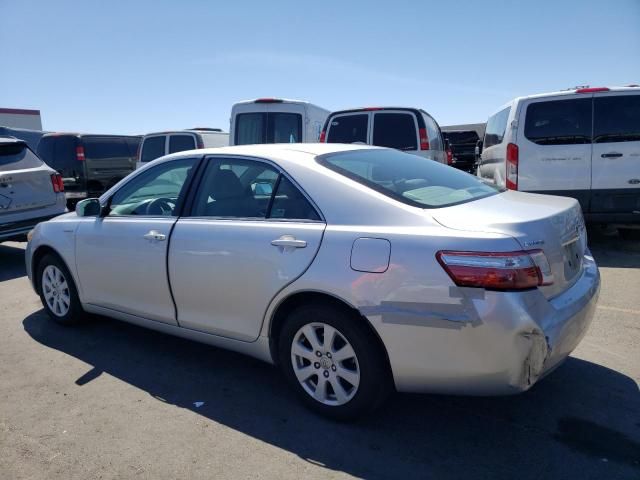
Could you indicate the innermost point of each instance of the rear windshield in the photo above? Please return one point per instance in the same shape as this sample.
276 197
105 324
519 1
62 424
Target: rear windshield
348 128
152 148
461 138
395 130
105 148
408 178
559 122
16 156
271 127
59 152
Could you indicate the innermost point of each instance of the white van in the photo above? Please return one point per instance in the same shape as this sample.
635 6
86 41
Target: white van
411 130
156 145
275 120
582 143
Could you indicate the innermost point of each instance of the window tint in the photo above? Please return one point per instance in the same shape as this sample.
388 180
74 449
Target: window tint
559 122
14 156
250 128
133 143
461 138
408 178
433 134
348 128
290 203
617 119
496 126
105 148
152 148
59 152
154 192
235 188
285 128
395 130
180 143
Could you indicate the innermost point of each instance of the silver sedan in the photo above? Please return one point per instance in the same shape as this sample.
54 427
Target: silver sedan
355 269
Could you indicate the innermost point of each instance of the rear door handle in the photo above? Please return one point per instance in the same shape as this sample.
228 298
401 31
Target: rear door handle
288 241
155 235
611 155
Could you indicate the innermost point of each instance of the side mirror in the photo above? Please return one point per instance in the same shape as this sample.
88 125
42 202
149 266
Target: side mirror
89 207
478 148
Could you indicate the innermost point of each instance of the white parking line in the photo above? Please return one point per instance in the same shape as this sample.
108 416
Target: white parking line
617 309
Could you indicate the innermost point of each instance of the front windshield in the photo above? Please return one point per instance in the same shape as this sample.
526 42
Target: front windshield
408 178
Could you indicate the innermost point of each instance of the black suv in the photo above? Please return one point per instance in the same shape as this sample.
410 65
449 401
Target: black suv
463 148
89 164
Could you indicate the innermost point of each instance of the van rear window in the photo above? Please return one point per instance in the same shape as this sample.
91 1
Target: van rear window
152 148
105 148
559 122
16 156
348 128
271 127
408 178
395 130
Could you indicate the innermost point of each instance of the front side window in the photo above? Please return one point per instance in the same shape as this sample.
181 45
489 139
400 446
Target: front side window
239 188
153 193
496 126
348 128
408 178
152 148
617 119
180 143
395 130
559 122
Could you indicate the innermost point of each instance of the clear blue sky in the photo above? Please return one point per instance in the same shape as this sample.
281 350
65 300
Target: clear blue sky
139 66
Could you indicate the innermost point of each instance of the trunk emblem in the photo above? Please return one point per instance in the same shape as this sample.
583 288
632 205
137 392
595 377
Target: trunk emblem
533 243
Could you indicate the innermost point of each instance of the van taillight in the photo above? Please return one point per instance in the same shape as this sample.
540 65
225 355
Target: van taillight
323 136
199 143
511 176
80 153
424 139
449 156
57 183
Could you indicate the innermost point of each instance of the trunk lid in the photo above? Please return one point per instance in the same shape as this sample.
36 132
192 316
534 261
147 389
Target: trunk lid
538 222
25 181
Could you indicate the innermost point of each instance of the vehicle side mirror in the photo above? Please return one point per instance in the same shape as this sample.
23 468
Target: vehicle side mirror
478 148
89 207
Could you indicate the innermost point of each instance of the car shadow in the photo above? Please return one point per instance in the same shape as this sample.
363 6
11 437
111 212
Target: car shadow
11 262
582 421
610 250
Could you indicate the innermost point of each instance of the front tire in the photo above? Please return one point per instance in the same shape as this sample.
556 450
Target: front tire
58 292
334 362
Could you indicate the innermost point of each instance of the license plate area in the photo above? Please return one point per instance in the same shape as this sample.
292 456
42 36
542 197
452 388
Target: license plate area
572 258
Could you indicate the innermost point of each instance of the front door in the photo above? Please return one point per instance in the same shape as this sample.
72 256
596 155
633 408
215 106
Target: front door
122 257
616 153
250 233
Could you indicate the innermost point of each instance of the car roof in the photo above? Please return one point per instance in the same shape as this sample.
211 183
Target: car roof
267 101
368 109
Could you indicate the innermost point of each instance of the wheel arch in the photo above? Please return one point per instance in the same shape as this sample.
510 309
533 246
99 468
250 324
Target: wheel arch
296 299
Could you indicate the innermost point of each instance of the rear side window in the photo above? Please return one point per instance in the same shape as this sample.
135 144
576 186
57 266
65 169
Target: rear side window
559 122
105 148
289 203
14 156
433 134
152 148
180 143
408 178
617 119
496 126
348 128
395 130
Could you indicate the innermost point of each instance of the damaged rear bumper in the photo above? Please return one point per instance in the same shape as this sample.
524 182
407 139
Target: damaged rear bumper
485 343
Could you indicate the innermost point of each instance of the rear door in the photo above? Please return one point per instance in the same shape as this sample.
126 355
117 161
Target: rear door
554 146
250 230
25 181
616 153
108 160
349 128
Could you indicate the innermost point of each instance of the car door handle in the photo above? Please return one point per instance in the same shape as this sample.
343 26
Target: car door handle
288 241
611 155
155 235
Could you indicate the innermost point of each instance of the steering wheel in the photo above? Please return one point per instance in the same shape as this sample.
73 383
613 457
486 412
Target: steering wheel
160 206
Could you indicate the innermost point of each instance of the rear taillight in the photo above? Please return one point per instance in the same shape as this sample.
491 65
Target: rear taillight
424 139
511 176
323 136
449 157
199 143
80 153
497 271
57 183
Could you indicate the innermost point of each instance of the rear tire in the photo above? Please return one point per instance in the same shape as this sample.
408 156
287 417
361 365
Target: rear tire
629 233
342 378
58 292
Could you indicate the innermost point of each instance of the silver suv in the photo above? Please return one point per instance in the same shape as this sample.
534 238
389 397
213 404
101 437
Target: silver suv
30 190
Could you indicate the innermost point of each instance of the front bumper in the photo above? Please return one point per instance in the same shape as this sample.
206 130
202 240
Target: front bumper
500 343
